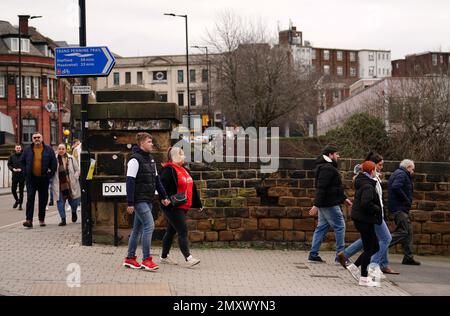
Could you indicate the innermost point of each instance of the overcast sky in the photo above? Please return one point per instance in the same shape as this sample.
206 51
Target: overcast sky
139 28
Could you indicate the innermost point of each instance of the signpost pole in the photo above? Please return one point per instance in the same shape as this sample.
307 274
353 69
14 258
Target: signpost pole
86 221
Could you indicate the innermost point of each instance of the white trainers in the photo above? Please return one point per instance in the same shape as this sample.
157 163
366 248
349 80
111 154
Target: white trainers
191 261
354 270
167 260
376 273
367 281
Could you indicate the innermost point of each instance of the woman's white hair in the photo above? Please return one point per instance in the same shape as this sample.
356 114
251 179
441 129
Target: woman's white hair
175 154
405 163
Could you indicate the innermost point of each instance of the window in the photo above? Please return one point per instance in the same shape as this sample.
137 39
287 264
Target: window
192 75
205 98
28 129
116 79
36 87
397 65
326 69
193 99
162 97
204 75
139 77
371 57
15 44
352 56
441 58
128 77
53 132
180 98
28 87
340 70
25 47
313 54
18 92
339 55
434 59
2 86
313 68
387 56
335 95
180 76
326 55
379 71
372 71
49 88
379 56
352 72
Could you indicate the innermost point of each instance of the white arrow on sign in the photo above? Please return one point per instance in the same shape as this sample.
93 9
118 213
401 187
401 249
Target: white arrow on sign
109 62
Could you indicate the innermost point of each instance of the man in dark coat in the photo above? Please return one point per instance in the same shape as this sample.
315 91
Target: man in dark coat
329 195
18 175
400 189
39 164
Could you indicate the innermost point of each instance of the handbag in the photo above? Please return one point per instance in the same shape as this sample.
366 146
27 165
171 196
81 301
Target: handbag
178 198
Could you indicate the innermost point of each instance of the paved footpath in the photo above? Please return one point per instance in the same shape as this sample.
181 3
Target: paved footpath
38 262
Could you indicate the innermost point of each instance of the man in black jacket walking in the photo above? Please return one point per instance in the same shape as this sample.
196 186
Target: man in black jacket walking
329 195
18 176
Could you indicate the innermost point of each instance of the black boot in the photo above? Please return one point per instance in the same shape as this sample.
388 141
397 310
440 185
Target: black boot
410 261
15 204
20 207
63 222
74 217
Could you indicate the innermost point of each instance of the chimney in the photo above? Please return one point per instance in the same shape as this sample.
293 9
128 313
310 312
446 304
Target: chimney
23 24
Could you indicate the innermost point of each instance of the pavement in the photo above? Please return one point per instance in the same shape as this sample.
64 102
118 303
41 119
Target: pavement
50 261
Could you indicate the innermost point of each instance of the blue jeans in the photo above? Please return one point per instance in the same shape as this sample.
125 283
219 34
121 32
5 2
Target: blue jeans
61 204
384 239
329 217
143 226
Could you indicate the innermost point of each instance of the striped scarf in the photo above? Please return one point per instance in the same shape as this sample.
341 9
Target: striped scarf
63 174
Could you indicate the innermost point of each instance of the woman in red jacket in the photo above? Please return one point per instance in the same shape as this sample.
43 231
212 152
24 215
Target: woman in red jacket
177 179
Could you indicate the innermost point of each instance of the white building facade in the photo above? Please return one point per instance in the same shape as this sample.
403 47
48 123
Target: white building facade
374 64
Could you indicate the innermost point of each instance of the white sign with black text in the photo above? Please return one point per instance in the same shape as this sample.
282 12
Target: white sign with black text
81 89
114 189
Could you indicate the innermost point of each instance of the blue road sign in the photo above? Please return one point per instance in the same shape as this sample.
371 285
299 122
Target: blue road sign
83 61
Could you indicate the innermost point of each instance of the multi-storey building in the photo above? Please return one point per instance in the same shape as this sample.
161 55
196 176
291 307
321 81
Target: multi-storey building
167 76
421 64
45 99
374 63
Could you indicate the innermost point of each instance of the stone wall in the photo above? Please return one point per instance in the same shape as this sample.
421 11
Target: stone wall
244 207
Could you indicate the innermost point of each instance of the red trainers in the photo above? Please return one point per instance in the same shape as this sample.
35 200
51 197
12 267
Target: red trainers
131 263
148 264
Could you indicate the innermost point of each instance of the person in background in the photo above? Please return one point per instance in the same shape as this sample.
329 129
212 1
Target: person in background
177 179
379 262
65 184
329 196
366 212
400 197
18 175
39 163
76 150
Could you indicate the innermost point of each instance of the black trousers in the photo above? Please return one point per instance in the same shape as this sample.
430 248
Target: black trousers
403 233
176 223
39 184
370 245
18 181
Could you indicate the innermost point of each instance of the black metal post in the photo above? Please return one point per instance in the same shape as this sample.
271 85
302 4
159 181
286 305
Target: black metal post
20 85
188 76
86 222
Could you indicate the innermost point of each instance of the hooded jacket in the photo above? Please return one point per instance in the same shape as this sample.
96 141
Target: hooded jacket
329 189
400 191
366 205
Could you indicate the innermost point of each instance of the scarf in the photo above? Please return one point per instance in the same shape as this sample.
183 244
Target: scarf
63 174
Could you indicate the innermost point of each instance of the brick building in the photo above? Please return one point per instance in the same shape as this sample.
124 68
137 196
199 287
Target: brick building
421 64
45 98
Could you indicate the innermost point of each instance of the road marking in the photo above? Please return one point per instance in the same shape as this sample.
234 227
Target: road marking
35 218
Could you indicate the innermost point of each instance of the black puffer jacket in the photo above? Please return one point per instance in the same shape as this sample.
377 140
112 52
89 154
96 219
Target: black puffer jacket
329 189
366 206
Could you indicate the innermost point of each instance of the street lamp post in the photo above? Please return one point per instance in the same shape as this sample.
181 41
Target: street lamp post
20 72
187 68
208 86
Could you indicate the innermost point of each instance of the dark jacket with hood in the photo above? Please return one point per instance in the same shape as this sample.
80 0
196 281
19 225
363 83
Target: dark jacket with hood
400 191
366 205
329 189
169 180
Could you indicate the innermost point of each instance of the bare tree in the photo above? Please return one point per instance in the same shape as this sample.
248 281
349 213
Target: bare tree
258 83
